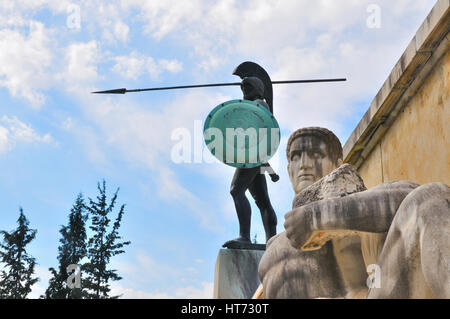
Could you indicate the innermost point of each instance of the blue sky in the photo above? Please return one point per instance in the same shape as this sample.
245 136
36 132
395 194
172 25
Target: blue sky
57 139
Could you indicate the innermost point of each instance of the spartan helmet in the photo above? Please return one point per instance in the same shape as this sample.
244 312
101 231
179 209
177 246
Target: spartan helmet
253 88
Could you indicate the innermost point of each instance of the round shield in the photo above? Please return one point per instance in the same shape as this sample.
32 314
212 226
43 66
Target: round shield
241 133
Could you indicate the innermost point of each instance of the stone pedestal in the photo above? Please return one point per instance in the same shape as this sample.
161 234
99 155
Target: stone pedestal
236 273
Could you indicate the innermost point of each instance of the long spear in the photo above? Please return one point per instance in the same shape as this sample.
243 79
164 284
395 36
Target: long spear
124 90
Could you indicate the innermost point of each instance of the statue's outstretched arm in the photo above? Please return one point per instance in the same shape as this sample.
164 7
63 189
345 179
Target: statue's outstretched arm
368 211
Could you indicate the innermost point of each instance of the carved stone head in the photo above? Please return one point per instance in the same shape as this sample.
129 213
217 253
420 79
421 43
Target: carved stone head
312 153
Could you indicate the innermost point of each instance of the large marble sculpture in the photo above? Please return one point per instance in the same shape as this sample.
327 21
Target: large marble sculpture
415 257
337 230
335 271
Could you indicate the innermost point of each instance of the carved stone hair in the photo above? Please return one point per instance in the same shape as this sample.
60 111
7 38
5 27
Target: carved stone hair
333 144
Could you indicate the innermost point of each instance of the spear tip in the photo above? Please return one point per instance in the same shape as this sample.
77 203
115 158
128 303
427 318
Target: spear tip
116 91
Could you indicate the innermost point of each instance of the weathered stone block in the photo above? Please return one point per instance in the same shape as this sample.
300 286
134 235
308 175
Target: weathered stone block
236 273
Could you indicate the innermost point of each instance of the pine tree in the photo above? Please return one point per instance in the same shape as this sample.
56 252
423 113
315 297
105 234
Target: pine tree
104 244
71 252
18 266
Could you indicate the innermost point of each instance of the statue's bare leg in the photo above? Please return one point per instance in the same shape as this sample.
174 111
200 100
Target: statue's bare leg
242 179
258 189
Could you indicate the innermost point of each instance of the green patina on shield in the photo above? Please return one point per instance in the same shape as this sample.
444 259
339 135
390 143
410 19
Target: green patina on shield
241 133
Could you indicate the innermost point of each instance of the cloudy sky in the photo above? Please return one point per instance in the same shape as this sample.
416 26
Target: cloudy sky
57 139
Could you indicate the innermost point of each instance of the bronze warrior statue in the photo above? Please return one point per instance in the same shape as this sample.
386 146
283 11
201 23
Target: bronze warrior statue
256 86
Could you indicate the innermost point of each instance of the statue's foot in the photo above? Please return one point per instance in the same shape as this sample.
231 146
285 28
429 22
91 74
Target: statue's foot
236 242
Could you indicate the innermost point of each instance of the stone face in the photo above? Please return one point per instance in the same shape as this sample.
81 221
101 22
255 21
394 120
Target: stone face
236 273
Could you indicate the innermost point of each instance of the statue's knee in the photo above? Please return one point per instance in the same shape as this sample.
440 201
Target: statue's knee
267 212
273 218
236 192
265 209
259 204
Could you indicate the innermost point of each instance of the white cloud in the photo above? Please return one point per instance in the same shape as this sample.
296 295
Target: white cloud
167 16
24 59
13 131
56 6
172 66
81 59
106 17
145 270
172 191
68 124
190 292
89 138
295 39
216 30
204 292
275 33
142 135
18 13
121 31
38 289
136 64
130 67
22 132
4 139
129 293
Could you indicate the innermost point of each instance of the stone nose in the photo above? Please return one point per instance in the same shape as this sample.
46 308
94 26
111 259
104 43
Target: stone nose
305 161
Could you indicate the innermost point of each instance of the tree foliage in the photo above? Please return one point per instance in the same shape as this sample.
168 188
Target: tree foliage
16 278
104 244
72 250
